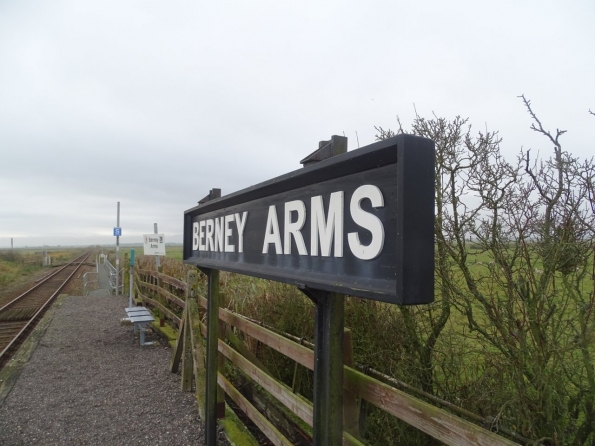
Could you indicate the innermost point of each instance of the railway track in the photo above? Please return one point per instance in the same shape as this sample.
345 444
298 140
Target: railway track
19 316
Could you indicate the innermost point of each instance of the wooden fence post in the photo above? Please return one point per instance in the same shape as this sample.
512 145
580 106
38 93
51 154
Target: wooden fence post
198 356
187 357
176 354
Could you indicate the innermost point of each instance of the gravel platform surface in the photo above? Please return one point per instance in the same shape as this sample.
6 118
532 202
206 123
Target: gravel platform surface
89 383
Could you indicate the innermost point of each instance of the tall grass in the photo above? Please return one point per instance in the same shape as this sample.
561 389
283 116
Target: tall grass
15 265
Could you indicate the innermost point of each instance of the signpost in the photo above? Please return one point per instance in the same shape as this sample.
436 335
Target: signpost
117 234
361 223
154 244
358 223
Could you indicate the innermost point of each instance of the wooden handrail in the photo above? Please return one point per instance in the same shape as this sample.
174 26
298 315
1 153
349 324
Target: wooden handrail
430 419
159 305
180 284
166 294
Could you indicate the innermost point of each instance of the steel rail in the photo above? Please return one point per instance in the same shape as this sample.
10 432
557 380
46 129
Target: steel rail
41 309
43 281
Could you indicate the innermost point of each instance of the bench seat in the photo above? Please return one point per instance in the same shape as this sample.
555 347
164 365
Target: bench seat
140 318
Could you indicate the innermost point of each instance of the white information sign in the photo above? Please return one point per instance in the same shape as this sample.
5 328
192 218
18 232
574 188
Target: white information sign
154 244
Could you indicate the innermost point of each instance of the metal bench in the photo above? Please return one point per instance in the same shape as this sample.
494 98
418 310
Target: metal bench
140 318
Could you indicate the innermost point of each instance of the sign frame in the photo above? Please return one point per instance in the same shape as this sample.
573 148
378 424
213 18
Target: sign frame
402 168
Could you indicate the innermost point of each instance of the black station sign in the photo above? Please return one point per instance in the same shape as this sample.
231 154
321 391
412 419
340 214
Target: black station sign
360 223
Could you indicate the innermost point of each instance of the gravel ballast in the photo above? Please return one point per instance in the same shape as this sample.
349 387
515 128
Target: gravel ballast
89 382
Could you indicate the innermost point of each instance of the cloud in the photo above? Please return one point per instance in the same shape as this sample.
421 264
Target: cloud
152 104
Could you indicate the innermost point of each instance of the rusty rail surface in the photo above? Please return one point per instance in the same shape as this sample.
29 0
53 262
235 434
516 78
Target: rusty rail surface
19 316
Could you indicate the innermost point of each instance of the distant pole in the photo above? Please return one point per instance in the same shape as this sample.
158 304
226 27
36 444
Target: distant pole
118 252
157 260
11 245
131 277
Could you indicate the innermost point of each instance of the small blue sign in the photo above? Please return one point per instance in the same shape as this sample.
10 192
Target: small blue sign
117 232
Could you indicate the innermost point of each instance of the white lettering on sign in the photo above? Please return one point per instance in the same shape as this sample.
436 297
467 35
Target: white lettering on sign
241 224
210 228
325 231
367 221
228 246
271 233
215 234
294 228
218 234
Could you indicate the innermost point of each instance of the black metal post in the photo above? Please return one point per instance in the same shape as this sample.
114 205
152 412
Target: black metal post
212 347
328 367
212 363
330 323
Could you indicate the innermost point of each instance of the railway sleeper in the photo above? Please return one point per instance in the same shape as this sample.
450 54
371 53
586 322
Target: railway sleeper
18 314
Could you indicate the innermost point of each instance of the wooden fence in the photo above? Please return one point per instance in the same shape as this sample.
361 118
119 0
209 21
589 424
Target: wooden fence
164 294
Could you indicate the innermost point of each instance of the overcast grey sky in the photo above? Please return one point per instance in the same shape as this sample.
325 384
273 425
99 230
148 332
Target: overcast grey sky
153 103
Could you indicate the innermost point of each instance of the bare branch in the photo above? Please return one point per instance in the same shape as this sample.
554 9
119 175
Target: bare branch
539 127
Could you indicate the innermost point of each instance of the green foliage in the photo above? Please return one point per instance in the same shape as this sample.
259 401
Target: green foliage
514 303
15 264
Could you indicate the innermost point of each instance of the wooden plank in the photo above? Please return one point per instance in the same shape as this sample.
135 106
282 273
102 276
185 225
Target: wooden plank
350 440
434 421
180 284
257 418
171 315
298 353
260 377
280 391
421 415
195 327
187 358
171 297
163 293
239 345
176 356
164 277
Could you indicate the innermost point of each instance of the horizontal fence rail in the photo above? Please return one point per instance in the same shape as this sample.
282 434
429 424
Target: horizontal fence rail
173 299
